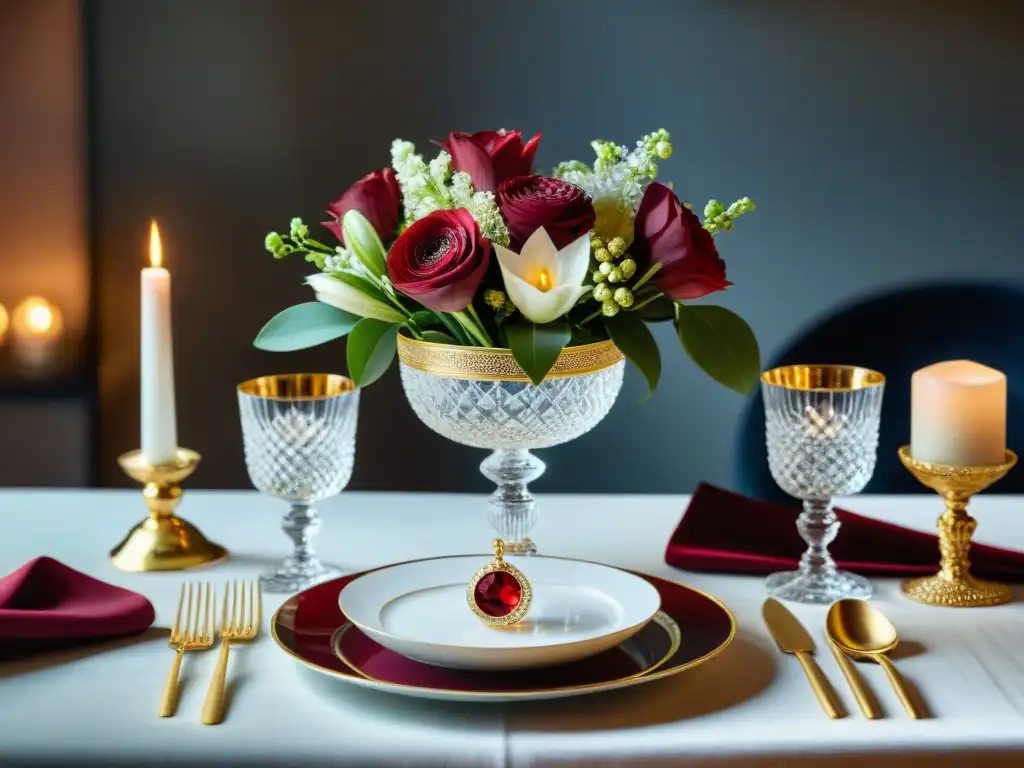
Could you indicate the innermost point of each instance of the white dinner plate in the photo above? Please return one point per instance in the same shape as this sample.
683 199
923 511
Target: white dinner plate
419 610
690 629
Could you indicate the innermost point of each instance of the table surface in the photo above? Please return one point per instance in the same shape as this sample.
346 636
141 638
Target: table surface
751 705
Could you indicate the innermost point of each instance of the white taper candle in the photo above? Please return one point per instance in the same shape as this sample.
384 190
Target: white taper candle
159 425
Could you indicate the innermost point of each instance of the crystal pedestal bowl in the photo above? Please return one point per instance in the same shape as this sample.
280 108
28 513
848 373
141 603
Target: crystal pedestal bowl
480 397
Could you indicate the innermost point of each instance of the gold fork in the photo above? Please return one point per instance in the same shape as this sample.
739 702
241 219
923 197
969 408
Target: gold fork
194 634
243 625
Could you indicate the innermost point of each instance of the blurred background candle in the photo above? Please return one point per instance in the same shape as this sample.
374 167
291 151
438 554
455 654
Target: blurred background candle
159 426
958 414
36 326
3 324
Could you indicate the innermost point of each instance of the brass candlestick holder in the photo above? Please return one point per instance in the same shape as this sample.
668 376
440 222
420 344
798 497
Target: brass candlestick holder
954 585
163 541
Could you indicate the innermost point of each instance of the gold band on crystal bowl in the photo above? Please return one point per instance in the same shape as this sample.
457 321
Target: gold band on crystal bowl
491 364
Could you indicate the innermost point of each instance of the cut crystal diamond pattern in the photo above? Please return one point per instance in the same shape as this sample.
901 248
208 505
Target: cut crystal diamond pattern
509 414
822 444
300 450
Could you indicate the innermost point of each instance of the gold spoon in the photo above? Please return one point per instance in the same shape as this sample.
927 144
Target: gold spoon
853 678
862 631
860 691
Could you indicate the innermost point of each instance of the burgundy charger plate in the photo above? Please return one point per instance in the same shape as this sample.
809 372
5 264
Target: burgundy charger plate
690 628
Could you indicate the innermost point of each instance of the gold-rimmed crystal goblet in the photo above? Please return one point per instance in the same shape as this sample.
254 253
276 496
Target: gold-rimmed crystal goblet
821 427
479 396
299 433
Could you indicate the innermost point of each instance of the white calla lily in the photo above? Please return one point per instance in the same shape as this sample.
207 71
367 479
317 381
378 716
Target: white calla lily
339 294
543 282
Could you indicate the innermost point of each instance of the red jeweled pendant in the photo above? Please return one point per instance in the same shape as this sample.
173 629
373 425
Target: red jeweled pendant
498 593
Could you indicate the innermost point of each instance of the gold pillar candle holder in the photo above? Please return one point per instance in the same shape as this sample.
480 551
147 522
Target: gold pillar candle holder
163 541
954 585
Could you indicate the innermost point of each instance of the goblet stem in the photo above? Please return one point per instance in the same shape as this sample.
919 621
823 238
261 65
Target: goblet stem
956 528
513 509
954 585
303 568
817 580
301 524
818 527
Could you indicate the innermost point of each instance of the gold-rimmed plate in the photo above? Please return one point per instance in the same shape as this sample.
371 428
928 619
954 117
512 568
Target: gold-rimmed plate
419 610
691 628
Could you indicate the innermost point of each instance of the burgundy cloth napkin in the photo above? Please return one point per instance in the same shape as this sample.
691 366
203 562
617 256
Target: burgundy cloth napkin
724 532
45 604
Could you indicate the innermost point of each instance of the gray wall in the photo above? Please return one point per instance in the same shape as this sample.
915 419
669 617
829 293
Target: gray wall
881 141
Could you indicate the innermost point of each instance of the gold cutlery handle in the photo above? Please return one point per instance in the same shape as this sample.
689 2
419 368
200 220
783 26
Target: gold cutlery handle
819 684
899 686
864 699
213 707
169 699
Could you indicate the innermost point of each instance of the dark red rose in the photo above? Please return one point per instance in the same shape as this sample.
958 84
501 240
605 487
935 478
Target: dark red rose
490 157
377 197
666 232
528 203
440 260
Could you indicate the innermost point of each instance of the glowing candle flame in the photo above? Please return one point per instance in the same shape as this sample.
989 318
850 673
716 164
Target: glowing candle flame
543 281
156 254
36 318
39 319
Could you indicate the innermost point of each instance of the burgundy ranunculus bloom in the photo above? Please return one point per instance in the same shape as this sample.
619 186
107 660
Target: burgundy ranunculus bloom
490 157
667 232
440 260
377 197
528 203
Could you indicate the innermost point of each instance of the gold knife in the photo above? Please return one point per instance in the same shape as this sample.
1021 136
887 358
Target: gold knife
791 637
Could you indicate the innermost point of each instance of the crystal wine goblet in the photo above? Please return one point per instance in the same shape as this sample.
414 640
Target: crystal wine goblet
299 433
479 396
822 435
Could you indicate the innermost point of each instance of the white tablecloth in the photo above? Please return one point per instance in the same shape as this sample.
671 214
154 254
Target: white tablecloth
749 706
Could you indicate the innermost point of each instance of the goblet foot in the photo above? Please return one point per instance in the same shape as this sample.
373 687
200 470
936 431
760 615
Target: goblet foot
964 592
820 588
294 577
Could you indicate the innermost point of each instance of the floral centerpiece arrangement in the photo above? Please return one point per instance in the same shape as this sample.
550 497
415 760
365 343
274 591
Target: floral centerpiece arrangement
473 248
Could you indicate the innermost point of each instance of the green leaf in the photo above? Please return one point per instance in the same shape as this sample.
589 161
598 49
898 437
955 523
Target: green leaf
536 347
362 239
586 335
304 325
363 285
659 310
437 337
636 342
371 348
455 329
722 344
425 318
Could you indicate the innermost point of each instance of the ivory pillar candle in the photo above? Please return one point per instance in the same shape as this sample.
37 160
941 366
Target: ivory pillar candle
159 425
958 414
